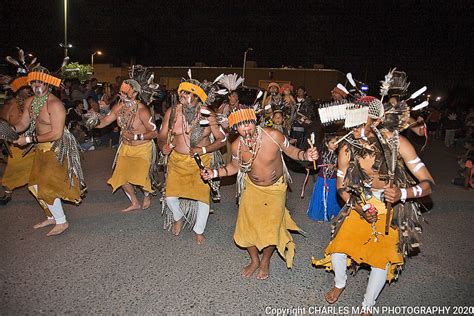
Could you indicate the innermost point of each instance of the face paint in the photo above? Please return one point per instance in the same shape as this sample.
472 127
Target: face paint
362 133
38 90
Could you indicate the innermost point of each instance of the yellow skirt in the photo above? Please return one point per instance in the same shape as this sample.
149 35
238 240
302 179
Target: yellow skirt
51 177
263 219
133 166
184 178
363 245
18 169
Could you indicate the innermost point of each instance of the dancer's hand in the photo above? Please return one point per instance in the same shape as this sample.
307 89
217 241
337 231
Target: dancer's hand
312 154
370 217
127 135
21 141
196 150
167 148
392 195
206 174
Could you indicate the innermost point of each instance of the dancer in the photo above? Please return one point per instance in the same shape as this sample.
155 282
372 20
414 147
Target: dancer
134 165
56 173
183 135
263 222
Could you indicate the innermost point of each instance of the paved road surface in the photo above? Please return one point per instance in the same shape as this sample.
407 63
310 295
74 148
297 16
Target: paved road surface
110 262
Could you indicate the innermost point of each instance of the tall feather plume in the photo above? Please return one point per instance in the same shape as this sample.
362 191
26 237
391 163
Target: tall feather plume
218 78
231 81
21 57
340 86
420 106
189 73
32 62
417 93
12 61
351 80
65 61
386 84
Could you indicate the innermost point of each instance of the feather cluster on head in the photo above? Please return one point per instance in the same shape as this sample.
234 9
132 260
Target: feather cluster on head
144 83
231 82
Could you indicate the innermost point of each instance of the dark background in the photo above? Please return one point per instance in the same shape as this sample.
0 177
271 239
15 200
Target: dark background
430 40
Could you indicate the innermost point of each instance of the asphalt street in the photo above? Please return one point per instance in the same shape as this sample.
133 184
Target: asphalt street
109 262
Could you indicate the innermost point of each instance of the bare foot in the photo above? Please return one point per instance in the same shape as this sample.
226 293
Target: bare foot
249 269
333 295
132 207
58 229
263 270
200 239
177 226
146 202
45 223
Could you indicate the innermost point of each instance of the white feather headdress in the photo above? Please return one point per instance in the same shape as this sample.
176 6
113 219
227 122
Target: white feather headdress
231 81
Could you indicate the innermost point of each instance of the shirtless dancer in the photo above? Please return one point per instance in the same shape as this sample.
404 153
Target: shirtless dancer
51 179
134 156
257 157
181 136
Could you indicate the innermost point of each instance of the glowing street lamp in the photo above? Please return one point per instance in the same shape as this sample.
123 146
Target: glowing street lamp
92 57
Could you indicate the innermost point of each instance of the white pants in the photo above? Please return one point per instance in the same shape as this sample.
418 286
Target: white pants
201 218
56 209
375 285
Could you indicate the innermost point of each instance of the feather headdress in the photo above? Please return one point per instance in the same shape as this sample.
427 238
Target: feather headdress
395 84
206 90
148 88
23 66
231 81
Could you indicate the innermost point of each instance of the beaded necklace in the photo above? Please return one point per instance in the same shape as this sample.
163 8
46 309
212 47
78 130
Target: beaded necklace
35 109
253 145
126 115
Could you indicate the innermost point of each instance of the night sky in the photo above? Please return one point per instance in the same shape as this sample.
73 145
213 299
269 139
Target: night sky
431 40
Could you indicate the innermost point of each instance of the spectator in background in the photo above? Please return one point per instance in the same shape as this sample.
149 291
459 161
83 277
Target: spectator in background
90 92
75 113
65 93
76 90
451 126
467 173
433 123
81 137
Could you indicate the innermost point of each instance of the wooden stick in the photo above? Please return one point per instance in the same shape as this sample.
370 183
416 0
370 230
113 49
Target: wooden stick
312 146
389 211
345 136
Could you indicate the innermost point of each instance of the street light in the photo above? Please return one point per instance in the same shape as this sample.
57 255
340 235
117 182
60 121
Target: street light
66 46
245 61
92 57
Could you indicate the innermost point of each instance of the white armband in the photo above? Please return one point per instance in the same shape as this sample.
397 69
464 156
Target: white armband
414 161
417 191
204 150
215 173
403 198
340 174
418 167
